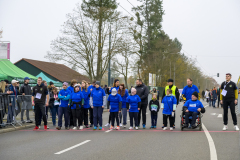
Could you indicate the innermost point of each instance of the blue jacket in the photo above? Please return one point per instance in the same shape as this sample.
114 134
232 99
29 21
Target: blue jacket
71 89
133 103
91 87
12 88
188 91
124 99
193 106
98 97
86 98
114 102
169 103
76 97
64 96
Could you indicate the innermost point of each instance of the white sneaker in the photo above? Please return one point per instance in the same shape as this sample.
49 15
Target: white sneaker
107 125
39 127
74 128
136 128
47 127
171 128
236 128
165 128
130 128
120 124
81 127
225 127
124 126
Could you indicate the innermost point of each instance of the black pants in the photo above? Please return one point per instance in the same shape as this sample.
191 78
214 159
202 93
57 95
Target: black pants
85 115
114 115
40 109
171 120
194 117
133 115
77 116
109 119
231 104
142 110
91 115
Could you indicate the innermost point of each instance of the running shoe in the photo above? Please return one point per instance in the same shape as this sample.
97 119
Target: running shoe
130 128
236 128
225 128
107 125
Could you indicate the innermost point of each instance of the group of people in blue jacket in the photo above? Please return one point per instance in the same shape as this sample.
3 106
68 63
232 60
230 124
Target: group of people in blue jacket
76 102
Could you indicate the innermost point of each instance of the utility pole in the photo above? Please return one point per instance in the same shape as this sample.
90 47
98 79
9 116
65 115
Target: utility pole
109 63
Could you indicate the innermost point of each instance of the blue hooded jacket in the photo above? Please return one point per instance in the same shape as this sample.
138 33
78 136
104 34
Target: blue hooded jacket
114 102
76 97
169 103
193 106
133 103
98 97
86 98
64 96
124 99
188 91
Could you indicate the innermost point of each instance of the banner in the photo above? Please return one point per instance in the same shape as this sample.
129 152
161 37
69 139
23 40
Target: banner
4 50
154 80
150 79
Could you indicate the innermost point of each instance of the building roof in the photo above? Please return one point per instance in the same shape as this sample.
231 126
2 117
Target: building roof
58 71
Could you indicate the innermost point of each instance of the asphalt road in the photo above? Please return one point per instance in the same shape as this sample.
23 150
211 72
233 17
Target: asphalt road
125 144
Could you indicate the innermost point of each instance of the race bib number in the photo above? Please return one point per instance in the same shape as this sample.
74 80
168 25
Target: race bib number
224 92
192 105
56 103
38 95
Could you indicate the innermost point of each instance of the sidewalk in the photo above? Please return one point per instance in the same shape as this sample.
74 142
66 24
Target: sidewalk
10 128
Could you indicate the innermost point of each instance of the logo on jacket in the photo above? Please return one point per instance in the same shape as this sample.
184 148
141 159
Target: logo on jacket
230 85
192 105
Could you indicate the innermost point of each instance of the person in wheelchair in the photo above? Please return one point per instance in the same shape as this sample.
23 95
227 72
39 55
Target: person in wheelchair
192 108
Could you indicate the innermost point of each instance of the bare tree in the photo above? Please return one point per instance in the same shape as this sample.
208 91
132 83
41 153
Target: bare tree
78 44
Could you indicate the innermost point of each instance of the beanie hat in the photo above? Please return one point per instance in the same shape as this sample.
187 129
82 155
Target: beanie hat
114 92
51 83
170 80
98 83
195 94
65 84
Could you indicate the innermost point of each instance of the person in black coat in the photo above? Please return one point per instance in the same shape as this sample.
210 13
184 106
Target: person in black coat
142 92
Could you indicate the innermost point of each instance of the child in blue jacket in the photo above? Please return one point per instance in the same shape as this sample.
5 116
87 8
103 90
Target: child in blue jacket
168 105
133 106
115 105
76 102
97 102
64 96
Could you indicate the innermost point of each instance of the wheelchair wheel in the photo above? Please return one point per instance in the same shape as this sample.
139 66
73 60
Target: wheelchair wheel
200 123
181 122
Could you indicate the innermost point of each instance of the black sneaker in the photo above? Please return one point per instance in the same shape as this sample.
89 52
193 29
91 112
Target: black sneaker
91 125
67 128
194 126
185 126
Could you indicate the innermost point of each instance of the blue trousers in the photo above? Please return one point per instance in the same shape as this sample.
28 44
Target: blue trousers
97 116
54 110
61 111
154 119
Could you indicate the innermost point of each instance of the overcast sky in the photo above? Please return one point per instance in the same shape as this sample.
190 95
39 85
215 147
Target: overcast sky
208 29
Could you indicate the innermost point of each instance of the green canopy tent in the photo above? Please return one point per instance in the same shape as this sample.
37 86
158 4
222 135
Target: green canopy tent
48 80
9 71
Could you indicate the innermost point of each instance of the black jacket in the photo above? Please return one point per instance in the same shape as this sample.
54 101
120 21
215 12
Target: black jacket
152 102
142 92
25 88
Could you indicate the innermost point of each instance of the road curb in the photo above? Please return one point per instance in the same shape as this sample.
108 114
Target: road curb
19 128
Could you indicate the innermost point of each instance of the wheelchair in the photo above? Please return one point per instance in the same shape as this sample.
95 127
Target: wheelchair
198 121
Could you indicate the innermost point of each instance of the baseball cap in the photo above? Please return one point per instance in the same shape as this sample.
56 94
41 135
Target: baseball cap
26 78
14 81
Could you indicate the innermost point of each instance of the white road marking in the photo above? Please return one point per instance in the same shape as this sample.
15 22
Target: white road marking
68 149
108 131
213 114
220 115
213 152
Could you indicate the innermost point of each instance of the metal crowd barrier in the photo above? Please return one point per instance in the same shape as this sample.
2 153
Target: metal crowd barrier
14 109
238 106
